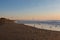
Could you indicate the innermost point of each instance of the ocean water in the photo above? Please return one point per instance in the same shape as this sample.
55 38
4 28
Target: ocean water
47 25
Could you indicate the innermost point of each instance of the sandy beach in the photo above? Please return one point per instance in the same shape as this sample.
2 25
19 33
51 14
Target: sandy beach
13 31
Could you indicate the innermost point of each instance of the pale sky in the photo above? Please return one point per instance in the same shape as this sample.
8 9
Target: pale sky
30 9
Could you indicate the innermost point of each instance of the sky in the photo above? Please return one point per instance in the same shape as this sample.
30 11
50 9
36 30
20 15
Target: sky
30 9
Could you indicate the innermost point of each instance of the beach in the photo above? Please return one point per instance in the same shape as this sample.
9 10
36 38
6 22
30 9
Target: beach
13 31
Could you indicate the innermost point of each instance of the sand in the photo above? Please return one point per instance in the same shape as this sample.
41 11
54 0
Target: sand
13 31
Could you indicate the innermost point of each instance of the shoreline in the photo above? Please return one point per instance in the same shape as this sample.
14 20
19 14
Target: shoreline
45 26
14 31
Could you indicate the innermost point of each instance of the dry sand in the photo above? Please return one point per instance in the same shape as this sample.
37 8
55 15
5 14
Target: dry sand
13 31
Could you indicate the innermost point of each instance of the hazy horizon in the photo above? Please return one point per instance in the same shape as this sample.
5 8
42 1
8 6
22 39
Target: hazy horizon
30 9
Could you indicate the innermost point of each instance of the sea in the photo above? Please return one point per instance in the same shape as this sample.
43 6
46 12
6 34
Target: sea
53 25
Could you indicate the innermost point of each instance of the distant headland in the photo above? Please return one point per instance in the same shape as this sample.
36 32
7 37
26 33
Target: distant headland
5 20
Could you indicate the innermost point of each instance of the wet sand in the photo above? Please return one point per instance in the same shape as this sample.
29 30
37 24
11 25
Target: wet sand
13 31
